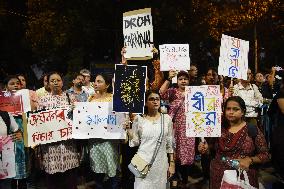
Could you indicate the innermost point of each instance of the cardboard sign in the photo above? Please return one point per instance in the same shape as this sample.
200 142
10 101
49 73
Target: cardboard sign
233 60
138 34
97 120
174 57
47 126
203 111
7 158
129 88
15 102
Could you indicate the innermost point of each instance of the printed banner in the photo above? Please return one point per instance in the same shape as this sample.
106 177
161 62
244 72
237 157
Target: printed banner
203 111
138 34
47 126
96 120
174 57
7 158
15 102
129 88
233 60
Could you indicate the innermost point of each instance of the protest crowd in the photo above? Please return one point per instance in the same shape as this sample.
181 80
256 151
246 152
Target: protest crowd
142 128
72 162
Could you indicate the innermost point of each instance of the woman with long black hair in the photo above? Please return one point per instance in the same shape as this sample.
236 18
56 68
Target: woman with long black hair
238 143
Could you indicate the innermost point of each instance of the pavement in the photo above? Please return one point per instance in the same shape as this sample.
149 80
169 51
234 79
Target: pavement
268 179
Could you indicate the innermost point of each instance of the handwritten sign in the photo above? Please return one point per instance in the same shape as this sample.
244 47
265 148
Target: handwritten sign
129 88
15 102
174 57
96 120
138 34
7 158
203 111
54 101
47 126
233 60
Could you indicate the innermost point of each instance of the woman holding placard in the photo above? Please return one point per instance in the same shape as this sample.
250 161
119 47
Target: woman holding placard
104 158
12 83
241 145
185 146
59 159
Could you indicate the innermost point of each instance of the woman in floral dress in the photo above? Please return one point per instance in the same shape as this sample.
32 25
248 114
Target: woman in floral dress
185 146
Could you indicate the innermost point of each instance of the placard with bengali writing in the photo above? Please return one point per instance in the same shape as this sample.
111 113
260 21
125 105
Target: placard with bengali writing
233 60
203 111
138 34
174 57
7 158
47 126
97 120
15 102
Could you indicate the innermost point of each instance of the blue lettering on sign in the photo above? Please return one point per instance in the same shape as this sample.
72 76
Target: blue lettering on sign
209 121
200 101
236 52
232 71
96 119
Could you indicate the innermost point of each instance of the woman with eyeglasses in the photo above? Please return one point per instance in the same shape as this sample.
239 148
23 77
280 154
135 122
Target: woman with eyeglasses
145 133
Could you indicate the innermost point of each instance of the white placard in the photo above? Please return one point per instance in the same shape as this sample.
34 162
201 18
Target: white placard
233 60
7 158
138 34
203 111
96 120
47 126
174 57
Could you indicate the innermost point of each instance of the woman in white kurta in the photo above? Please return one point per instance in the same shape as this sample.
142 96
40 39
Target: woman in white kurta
145 133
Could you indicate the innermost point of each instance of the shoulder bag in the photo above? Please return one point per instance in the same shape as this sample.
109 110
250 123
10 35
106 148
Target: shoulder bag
138 166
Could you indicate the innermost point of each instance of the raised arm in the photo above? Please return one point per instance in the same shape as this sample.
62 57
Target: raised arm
167 82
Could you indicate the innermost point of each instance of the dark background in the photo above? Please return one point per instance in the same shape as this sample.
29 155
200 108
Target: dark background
67 35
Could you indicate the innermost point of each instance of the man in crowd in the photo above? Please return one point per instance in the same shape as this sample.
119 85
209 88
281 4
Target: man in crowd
193 75
77 89
251 95
88 85
259 80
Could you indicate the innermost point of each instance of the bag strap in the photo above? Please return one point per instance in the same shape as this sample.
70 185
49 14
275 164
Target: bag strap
68 98
159 142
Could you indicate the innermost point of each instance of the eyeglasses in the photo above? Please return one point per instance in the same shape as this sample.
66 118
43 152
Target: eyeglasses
152 99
